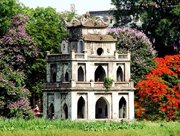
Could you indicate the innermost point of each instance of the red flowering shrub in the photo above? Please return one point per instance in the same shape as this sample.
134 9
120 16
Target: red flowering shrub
159 93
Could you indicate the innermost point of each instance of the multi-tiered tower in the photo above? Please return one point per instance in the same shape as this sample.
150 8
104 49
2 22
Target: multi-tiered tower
75 77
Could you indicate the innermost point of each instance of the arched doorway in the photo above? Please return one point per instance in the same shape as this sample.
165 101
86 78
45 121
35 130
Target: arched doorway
100 74
119 74
122 108
51 111
65 111
81 108
102 108
80 74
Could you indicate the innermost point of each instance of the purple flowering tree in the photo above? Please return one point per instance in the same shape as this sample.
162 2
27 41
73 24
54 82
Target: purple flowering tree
17 49
17 54
13 94
140 47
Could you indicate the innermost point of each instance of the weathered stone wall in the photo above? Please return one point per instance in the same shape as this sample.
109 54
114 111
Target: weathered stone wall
108 48
86 31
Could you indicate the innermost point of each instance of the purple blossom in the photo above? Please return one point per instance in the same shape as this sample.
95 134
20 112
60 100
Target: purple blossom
130 32
22 103
176 46
132 37
16 45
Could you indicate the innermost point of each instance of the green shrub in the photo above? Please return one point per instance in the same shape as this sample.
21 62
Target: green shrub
108 82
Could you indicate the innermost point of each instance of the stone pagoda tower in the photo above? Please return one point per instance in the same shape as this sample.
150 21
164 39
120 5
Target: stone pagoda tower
75 77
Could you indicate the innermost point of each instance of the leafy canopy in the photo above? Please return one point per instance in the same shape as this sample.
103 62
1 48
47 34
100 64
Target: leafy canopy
8 9
160 20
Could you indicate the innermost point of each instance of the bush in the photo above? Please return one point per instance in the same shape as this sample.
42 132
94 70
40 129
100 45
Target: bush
159 93
20 109
108 82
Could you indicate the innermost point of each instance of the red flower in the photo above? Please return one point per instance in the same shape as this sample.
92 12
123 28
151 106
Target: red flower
161 88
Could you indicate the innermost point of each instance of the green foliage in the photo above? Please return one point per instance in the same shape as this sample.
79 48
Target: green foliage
43 124
39 127
67 16
46 28
8 9
108 82
160 19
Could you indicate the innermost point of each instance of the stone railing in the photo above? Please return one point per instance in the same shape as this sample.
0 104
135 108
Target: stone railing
56 57
101 57
79 55
74 55
82 85
122 84
120 56
57 85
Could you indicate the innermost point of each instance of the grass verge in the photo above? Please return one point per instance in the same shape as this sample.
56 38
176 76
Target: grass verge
44 127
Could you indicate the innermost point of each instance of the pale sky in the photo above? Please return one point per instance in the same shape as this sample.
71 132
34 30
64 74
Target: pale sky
81 6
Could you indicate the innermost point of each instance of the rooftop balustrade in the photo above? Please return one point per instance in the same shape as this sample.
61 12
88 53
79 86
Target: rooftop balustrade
83 56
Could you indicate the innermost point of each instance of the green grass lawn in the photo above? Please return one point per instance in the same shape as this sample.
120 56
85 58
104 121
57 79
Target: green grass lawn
43 127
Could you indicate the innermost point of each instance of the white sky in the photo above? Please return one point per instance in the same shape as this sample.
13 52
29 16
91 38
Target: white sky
81 6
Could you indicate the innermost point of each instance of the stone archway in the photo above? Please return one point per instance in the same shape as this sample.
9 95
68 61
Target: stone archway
81 108
80 74
100 74
102 108
122 108
66 77
80 46
53 72
119 74
51 111
65 111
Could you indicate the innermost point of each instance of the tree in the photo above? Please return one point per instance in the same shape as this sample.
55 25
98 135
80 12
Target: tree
13 94
17 53
8 9
17 48
160 19
47 29
159 93
142 52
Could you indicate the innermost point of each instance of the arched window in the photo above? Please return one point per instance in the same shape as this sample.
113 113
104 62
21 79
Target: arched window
65 111
102 108
80 74
100 74
119 74
81 108
80 46
53 70
122 108
66 77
